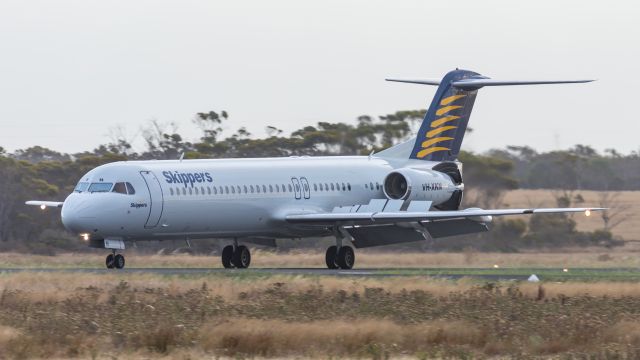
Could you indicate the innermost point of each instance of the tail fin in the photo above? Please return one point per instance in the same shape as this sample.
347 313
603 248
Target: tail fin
443 128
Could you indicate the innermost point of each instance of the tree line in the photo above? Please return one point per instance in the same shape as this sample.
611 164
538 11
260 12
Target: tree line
38 172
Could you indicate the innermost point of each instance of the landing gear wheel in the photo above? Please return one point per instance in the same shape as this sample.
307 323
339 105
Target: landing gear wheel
119 261
227 257
330 257
110 262
241 257
346 257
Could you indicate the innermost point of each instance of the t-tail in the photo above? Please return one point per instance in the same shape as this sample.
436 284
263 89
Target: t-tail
445 123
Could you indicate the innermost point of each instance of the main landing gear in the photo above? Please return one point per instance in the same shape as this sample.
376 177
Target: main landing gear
115 261
340 259
339 256
236 256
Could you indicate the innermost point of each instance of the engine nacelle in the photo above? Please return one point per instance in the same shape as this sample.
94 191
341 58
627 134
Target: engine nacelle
421 184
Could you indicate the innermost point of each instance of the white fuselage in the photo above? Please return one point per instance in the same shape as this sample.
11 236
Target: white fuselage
230 197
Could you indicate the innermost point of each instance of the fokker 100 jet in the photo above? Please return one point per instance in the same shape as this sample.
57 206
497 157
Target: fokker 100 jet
409 192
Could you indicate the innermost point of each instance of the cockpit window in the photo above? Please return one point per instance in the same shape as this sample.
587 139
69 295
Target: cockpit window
130 189
120 188
100 187
82 186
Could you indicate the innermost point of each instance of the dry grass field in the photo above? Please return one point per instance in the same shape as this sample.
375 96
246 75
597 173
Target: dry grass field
629 200
135 316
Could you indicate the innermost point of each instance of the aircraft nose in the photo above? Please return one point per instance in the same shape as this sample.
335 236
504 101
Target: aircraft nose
77 215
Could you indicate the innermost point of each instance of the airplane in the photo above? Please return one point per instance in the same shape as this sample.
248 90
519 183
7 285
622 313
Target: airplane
409 192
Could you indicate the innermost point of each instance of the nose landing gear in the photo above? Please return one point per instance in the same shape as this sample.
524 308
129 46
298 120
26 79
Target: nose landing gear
115 261
236 256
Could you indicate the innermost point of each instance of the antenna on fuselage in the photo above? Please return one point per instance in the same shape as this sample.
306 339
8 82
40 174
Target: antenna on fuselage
181 156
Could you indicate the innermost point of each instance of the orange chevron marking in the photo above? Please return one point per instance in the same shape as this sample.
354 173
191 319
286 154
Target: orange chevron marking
446 109
450 99
443 120
425 152
426 144
439 130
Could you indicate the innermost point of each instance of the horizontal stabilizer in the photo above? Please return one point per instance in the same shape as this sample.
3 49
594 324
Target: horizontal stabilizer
477 83
45 204
472 84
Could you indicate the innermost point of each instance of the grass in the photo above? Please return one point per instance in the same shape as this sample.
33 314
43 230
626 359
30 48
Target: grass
121 315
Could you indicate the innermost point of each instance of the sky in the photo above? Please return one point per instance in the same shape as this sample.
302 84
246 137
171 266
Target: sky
72 72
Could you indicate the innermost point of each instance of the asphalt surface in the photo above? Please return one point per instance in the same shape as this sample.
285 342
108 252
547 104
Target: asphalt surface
455 273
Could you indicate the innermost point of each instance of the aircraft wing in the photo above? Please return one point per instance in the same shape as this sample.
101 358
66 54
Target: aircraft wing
45 204
378 218
382 222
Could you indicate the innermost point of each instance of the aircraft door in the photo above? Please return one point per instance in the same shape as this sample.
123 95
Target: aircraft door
156 199
296 187
306 190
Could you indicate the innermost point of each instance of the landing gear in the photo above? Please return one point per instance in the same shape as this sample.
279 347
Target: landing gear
110 261
240 257
115 261
339 256
331 257
346 257
227 256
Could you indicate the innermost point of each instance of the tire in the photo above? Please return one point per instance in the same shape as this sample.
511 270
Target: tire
331 257
227 257
346 257
110 262
242 257
119 261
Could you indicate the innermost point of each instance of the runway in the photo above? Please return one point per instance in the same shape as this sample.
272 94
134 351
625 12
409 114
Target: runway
489 274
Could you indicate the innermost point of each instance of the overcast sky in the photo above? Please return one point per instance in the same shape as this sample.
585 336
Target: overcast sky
70 71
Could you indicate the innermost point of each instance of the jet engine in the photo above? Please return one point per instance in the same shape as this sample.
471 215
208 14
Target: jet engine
442 184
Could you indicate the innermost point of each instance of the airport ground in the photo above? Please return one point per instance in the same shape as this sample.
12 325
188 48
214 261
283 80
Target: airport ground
412 313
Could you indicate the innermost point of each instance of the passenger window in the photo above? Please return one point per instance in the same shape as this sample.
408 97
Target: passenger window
208 190
315 187
233 190
332 188
344 187
196 189
171 191
284 189
277 188
337 186
297 187
377 186
349 186
270 188
245 189
264 189
371 186
258 189
120 188
366 186
215 190
290 188
178 191
251 187
190 191
326 186
130 189
184 191
321 187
